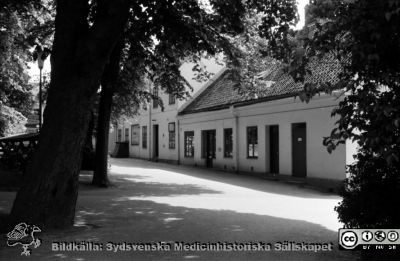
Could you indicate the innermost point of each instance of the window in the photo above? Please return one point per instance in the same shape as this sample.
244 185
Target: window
171 135
189 144
144 137
252 142
171 98
119 135
135 134
155 99
228 143
127 134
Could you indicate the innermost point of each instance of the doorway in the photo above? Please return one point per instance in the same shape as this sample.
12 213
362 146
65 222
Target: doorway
155 141
274 148
299 149
208 142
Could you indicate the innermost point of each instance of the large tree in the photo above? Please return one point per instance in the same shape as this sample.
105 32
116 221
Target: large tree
108 88
79 54
364 37
86 32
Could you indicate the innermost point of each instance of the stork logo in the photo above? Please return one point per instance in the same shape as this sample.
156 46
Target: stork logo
23 234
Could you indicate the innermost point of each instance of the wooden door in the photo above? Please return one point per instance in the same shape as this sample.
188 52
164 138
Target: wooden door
299 149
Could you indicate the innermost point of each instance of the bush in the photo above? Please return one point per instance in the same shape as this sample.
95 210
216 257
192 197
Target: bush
371 196
11 121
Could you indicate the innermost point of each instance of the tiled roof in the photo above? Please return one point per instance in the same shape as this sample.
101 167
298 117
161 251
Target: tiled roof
223 93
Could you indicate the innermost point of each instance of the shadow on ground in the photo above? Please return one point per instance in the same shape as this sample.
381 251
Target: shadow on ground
10 180
123 213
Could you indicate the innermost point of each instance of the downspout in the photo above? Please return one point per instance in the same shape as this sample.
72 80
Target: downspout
116 133
140 138
178 141
149 130
236 138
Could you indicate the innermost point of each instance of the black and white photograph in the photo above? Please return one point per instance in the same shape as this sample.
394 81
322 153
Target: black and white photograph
199 130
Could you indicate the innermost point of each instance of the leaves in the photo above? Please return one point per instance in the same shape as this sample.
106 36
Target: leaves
367 45
364 36
11 121
161 36
16 98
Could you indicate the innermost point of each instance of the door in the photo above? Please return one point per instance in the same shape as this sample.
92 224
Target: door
299 149
155 139
274 148
209 147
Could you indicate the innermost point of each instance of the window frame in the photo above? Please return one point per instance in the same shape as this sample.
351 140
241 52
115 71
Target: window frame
228 154
135 137
171 135
144 136
155 100
126 132
252 142
171 99
119 135
188 148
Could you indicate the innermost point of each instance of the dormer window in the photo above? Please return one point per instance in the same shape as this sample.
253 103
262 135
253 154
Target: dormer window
155 99
171 99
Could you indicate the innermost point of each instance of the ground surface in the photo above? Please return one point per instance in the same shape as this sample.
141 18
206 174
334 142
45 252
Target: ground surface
155 202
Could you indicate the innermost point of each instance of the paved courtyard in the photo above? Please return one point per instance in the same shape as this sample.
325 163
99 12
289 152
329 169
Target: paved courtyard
155 202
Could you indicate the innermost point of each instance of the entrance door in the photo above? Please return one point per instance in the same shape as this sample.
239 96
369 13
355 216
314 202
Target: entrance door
155 143
209 147
274 148
299 149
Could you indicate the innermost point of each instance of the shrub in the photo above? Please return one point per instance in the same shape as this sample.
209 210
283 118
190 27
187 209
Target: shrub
371 194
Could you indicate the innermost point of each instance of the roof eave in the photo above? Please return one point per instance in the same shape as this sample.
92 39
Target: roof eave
240 104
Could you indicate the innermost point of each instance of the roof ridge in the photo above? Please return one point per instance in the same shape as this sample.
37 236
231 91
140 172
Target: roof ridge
213 79
221 92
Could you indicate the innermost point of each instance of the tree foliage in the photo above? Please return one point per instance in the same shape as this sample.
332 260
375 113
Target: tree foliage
155 49
364 37
155 59
86 33
22 24
15 96
268 33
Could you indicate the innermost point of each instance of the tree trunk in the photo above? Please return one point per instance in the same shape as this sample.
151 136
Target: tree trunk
100 177
79 55
110 75
88 149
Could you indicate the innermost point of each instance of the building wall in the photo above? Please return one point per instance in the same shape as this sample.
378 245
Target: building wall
156 117
316 115
219 121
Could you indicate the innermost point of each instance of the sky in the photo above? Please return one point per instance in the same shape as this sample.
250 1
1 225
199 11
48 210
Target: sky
34 70
300 8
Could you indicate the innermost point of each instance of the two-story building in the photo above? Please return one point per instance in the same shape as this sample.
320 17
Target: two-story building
272 133
153 133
